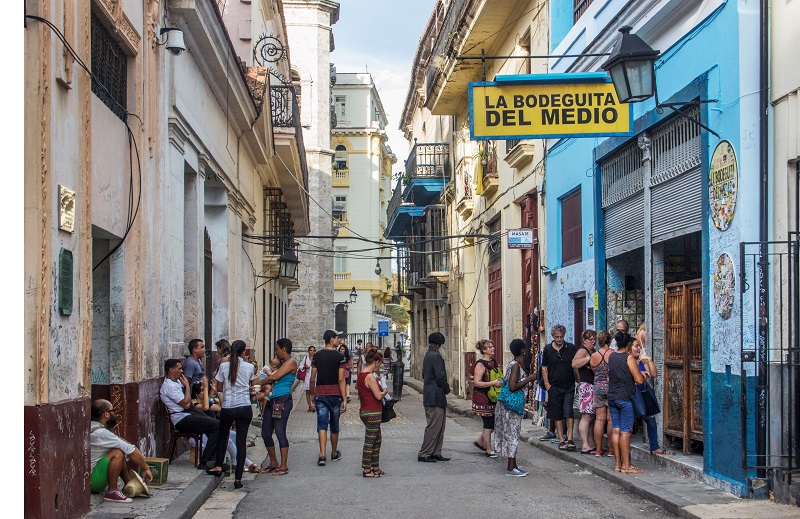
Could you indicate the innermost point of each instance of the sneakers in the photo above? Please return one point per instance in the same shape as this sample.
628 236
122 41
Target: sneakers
548 436
516 473
321 461
336 456
117 497
491 454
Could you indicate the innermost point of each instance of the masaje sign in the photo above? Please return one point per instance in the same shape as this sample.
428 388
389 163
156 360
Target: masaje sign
545 106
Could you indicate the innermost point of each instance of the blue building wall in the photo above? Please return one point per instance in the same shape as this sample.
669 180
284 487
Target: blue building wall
718 59
561 12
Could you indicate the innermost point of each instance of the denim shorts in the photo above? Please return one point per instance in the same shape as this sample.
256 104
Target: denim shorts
621 415
328 410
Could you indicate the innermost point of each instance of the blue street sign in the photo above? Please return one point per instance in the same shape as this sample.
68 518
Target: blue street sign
383 328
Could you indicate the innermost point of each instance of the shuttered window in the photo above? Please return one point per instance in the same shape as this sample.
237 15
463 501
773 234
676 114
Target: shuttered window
571 228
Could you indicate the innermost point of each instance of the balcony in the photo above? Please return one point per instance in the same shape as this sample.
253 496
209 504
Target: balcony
290 149
464 190
427 172
489 180
475 25
341 178
400 215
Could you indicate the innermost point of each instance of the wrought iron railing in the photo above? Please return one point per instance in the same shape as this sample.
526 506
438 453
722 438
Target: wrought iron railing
429 160
286 114
447 41
397 199
511 144
278 225
579 7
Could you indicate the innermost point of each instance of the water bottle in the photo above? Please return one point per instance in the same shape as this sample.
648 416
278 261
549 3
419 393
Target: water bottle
228 463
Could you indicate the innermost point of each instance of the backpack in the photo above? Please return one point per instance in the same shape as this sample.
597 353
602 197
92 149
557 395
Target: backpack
494 391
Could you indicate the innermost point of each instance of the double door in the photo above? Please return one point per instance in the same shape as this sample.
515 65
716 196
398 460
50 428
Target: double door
683 362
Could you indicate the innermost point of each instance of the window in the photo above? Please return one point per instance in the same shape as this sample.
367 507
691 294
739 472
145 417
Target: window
340 207
578 8
340 260
340 158
571 231
110 67
339 102
297 88
525 50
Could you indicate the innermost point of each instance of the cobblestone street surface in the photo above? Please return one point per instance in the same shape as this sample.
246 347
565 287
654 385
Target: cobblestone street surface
470 485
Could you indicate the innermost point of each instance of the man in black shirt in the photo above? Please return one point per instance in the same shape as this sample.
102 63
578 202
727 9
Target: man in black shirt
329 393
559 381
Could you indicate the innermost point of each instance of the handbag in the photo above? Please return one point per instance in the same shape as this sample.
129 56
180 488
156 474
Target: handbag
277 410
650 403
302 372
388 412
638 403
513 400
494 391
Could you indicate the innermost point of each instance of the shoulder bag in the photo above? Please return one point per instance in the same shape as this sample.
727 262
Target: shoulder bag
513 400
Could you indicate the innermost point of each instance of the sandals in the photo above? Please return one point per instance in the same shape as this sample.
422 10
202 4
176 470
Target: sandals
268 469
562 446
599 452
280 472
617 469
378 471
590 451
632 470
570 445
255 469
370 474
663 452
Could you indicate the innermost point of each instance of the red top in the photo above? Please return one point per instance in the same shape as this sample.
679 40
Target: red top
368 400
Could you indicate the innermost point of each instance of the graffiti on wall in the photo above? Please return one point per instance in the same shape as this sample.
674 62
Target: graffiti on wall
724 283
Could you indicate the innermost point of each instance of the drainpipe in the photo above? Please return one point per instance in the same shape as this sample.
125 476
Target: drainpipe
763 231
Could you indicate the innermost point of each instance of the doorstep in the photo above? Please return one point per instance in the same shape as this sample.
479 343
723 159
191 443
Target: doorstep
686 465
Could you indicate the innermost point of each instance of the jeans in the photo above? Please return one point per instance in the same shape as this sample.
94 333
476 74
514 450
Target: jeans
328 410
270 424
621 414
242 416
652 432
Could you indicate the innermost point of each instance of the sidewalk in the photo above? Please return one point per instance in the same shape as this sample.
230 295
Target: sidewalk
682 496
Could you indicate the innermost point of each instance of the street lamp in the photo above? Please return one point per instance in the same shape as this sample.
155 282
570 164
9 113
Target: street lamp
353 295
288 264
378 267
631 66
350 301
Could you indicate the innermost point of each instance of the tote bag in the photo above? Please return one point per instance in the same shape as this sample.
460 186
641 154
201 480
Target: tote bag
513 400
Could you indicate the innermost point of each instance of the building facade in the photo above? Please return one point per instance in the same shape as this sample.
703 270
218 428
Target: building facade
184 145
362 173
309 24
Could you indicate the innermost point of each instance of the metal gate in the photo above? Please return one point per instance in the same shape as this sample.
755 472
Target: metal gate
769 302
683 362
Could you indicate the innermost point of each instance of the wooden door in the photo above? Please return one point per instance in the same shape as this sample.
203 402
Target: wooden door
530 278
578 319
496 311
683 358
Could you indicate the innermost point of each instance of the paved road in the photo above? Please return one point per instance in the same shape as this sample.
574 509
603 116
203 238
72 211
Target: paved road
470 485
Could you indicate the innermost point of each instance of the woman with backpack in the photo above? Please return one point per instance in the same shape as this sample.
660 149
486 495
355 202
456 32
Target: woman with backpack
486 381
510 408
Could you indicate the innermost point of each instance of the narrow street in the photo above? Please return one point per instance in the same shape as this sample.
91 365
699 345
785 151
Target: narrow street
469 485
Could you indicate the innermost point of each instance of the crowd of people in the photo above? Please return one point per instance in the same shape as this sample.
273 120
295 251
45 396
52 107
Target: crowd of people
607 376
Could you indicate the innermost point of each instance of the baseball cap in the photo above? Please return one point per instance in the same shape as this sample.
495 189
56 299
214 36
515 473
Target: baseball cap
328 335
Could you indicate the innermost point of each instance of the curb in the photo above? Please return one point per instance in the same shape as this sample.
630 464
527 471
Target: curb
667 500
189 501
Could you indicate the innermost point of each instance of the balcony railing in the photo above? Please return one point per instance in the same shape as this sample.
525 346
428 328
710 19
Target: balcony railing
579 7
430 160
286 114
397 199
446 39
510 144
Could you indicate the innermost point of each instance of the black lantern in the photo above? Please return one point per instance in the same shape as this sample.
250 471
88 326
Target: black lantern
353 296
631 66
378 269
288 264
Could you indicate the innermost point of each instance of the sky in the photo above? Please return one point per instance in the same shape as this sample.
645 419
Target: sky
381 37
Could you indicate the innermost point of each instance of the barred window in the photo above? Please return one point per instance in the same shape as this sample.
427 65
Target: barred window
110 69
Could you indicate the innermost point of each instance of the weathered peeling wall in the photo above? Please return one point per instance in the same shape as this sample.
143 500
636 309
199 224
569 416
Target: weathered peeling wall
567 282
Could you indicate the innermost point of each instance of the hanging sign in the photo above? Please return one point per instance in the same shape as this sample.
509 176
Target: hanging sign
520 238
383 328
723 185
547 105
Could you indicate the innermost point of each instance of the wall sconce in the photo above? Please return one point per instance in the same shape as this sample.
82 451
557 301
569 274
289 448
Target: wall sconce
288 264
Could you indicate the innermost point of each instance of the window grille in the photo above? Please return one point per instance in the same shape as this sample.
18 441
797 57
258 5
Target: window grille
675 147
436 227
110 69
464 179
578 8
495 243
278 222
622 174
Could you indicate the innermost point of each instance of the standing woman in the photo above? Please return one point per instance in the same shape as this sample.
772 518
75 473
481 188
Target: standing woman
305 366
276 412
348 369
507 422
599 365
371 394
481 405
623 374
235 382
649 372
585 377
